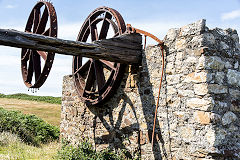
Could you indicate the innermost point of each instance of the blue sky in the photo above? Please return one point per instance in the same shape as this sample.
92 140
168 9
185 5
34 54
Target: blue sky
154 16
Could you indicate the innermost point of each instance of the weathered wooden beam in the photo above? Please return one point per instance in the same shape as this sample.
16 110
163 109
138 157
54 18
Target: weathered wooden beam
126 49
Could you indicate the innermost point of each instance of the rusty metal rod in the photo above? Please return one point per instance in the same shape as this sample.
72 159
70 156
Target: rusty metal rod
126 49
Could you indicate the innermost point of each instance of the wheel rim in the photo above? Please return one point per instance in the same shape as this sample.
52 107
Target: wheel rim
31 60
96 80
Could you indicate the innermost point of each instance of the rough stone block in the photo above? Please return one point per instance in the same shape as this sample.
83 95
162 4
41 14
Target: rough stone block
187 133
228 118
180 44
199 103
201 63
170 68
202 117
236 65
234 93
196 77
171 90
211 137
201 89
172 34
223 45
193 29
217 89
209 38
173 79
233 77
228 65
214 62
186 93
219 77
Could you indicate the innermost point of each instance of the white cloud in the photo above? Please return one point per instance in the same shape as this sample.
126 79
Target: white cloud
9 56
69 31
231 15
10 6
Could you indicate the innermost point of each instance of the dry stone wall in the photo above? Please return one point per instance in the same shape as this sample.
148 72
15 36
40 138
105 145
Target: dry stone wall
198 116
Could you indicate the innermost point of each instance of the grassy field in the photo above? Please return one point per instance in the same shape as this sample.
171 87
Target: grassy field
47 108
14 147
11 147
47 99
46 111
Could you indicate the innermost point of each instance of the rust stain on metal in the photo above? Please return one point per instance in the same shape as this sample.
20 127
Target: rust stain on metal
146 34
37 64
96 80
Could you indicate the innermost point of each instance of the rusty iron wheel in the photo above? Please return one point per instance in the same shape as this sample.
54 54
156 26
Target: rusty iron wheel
96 80
44 23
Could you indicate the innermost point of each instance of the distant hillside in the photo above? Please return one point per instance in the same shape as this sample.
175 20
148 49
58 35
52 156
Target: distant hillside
47 108
47 99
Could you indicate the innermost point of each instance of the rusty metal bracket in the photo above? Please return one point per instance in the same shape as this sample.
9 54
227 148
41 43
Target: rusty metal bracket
131 29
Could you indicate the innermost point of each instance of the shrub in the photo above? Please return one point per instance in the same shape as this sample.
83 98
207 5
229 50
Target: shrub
85 151
29 128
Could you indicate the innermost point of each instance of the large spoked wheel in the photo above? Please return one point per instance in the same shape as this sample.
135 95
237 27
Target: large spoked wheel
95 80
42 20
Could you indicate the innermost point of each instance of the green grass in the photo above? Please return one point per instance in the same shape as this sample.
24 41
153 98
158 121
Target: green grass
85 151
47 99
12 147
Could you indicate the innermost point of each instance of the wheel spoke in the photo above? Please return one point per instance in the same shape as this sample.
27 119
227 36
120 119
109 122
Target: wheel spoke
105 26
83 67
46 33
94 33
81 81
30 22
43 22
26 52
30 68
85 36
109 64
36 64
90 78
36 19
99 74
115 27
116 34
42 54
77 63
82 35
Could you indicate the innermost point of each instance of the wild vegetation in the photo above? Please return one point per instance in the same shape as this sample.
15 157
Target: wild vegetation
12 147
85 151
29 128
26 136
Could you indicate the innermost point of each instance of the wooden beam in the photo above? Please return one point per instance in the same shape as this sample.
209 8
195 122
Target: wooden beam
126 48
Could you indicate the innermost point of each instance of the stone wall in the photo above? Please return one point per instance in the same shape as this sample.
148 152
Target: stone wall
198 116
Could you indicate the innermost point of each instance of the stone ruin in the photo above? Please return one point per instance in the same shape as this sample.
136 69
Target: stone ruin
199 112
